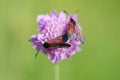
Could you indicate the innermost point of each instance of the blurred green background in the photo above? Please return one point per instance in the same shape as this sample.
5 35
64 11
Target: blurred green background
98 60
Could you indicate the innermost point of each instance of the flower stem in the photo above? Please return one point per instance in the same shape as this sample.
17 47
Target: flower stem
57 72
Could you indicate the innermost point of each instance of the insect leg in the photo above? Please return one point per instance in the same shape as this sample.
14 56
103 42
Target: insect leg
36 54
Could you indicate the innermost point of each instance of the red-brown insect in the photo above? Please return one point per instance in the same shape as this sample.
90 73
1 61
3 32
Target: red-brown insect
73 29
58 42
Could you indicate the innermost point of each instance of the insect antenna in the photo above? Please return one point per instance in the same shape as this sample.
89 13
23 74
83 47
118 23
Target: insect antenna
76 11
66 12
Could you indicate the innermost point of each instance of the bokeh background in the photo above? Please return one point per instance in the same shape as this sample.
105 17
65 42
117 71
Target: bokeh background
98 60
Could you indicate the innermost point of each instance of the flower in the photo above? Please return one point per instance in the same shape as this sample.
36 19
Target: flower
50 27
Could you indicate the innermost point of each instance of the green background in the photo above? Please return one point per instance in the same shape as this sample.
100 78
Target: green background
98 60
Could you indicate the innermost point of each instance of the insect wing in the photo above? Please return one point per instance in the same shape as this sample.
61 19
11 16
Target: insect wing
70 29
59 39
52 46
57 42
64 45
79 35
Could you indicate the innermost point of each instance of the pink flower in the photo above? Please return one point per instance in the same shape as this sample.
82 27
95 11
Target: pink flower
50 27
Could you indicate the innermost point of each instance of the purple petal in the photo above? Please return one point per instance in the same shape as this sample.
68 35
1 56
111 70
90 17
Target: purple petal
74 17
34 38
62 16
53 13
39 18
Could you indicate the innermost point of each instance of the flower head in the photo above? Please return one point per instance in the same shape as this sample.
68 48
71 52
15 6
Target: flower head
50 27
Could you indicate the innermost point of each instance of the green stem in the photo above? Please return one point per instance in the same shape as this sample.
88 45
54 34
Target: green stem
57 72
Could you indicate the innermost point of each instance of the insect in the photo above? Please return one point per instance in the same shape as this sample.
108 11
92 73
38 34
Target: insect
73 29
58 42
